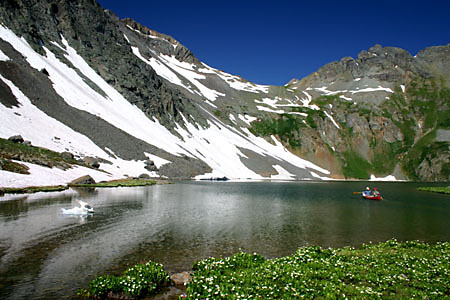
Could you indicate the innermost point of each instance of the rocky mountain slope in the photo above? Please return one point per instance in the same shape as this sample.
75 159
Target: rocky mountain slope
74 78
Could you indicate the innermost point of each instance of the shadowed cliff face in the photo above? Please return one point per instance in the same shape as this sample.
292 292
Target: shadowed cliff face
382 113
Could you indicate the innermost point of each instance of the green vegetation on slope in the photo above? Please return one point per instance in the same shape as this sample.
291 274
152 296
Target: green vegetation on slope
36 155
118 183
356 166
286 127
33 189
385 157
429 102
127 182
11 166
389 270
436 189
8 148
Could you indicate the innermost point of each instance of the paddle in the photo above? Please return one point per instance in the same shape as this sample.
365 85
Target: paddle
356 193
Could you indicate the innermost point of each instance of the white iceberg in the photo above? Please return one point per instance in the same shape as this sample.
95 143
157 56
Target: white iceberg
83 209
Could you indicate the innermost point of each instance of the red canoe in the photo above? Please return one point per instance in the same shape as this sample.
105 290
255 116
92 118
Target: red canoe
378 197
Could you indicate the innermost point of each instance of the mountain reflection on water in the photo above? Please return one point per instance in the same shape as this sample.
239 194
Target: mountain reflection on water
45 254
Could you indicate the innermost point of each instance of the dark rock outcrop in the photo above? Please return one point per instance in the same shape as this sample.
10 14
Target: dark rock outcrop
92 162
86 179
16 139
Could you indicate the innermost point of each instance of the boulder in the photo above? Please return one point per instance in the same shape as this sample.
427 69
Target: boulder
150 165
67 155
182 278
16 139
92 162
144 176
86 179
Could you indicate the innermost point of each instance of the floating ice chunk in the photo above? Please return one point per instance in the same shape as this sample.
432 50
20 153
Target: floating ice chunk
83 209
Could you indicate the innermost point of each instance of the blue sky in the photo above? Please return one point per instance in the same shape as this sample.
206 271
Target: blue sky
271 42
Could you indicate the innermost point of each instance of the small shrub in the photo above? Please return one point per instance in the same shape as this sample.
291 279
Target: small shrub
137 281
103 285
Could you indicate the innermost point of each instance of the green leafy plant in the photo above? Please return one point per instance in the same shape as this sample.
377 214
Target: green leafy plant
137 281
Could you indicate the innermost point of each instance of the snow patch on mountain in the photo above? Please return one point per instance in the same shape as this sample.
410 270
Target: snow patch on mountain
3 56
188 71
29 121
264 108
167 67
332 119
282 173
160 69
327 92
345 98
159 162
306 101
367 90
43 176
232 118
72 88
247 119
236 82
387 178
44 131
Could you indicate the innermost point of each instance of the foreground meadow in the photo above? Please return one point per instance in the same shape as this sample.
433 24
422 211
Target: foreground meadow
389 270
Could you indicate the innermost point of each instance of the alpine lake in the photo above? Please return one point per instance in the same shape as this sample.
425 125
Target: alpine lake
47 255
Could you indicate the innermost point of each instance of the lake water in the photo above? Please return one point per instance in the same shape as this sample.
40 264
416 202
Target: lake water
47 255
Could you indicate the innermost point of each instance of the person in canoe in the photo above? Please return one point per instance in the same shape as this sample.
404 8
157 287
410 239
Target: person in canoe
366 192
375 193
